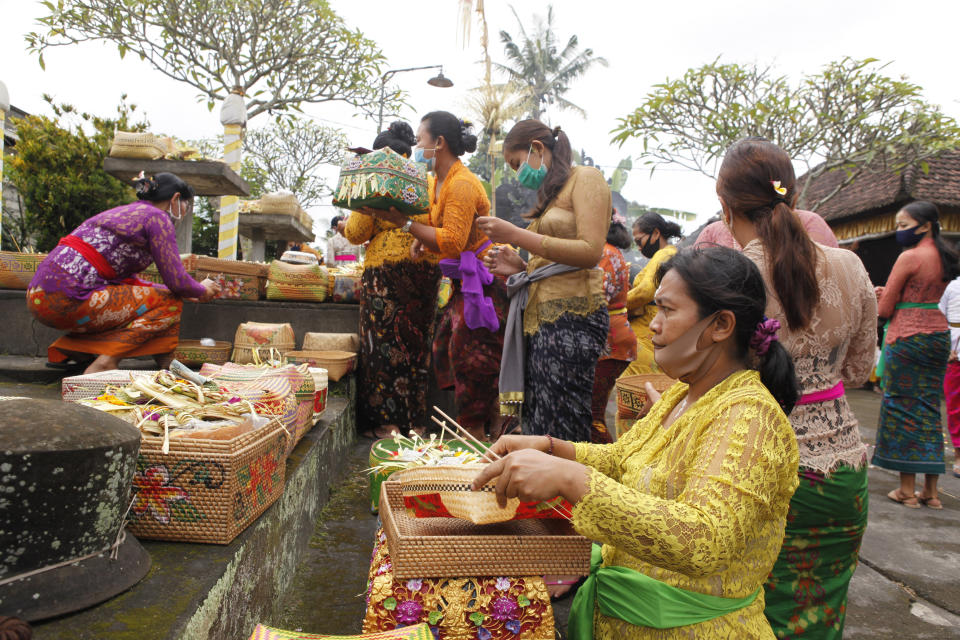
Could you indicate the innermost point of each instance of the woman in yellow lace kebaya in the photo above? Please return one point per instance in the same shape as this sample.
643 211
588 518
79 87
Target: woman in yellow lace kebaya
690 504
652 234
558 322
397 313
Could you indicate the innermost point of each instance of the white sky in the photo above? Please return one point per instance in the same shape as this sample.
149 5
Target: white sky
645 42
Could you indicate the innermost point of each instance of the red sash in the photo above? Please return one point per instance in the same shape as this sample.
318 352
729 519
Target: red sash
98 262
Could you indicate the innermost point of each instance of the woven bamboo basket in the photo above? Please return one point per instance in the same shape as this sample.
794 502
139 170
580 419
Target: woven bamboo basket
308 282
413 632
261 337
140 146
632 393
194 354
279 203
337 363
451 548
331 342
207 490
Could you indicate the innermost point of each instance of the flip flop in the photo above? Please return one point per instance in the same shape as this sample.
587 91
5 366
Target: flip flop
930 503
574 585
896 496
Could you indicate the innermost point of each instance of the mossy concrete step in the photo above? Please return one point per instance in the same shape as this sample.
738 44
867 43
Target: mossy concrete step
214 592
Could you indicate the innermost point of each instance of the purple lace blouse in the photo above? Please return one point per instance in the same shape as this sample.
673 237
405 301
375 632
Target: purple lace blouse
129 237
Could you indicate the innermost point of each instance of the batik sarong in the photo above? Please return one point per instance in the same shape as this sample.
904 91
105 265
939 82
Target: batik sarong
121 320
397 318
561 358
806 592
603 382
468 360
910 434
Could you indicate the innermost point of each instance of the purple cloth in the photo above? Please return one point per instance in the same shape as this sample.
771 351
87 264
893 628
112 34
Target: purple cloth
478 310
129 238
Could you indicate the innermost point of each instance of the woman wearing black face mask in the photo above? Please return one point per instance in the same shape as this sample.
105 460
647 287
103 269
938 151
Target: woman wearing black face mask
652 234
915 352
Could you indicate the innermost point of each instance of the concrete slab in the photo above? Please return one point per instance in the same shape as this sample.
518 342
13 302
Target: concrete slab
207 177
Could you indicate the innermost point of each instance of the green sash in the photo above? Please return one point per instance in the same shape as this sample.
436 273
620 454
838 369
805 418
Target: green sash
883 348
634 597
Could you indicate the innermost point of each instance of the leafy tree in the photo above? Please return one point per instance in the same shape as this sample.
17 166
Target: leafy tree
57 168
289 153
540 69
280 52
850 116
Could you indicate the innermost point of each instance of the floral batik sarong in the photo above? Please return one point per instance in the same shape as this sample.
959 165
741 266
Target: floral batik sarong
481 608
560 362
397 317
469 359
910 434
121 320
806 592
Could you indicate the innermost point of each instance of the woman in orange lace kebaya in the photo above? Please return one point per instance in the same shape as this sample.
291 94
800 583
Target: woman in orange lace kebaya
690 504
87 286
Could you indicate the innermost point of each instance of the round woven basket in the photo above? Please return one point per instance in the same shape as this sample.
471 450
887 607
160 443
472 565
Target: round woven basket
632 392
337 363
453 484
194 354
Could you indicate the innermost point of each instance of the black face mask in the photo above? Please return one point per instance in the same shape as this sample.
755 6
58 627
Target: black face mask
650 247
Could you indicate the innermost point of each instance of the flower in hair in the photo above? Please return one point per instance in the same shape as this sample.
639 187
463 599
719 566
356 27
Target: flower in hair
776 187
618 218
764 335
139 177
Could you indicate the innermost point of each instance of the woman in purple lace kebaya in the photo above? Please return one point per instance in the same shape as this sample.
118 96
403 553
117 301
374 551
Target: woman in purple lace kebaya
87 285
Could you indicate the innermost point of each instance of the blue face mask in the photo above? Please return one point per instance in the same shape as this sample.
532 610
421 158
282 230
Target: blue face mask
529 177
419 157
909 237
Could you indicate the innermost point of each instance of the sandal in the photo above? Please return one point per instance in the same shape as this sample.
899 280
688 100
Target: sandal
931 503
909 502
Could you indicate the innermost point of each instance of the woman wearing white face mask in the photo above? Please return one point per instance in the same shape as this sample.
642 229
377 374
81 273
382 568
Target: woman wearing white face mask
690 504
87 285
558 322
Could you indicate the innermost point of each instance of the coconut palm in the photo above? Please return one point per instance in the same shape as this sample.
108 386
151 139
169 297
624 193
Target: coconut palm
541 69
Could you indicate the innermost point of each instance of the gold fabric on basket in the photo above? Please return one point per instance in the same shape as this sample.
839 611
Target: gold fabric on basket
488 608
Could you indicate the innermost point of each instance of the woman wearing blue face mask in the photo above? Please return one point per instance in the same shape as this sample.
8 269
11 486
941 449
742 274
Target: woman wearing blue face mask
558 322
915 351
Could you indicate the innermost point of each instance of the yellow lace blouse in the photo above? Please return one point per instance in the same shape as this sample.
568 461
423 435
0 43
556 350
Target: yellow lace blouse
388 243
639 309
701 505
575 227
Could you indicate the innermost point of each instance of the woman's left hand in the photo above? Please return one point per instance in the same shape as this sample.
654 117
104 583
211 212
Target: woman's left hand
391 215
534 476
497 230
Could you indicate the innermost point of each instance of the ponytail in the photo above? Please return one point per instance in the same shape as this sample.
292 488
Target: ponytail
792 259
756 180
924 212
521 137
778 376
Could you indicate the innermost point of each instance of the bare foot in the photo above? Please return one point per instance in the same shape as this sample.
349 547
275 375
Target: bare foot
559 586
102 363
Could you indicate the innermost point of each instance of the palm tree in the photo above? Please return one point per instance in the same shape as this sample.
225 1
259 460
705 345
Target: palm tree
542 70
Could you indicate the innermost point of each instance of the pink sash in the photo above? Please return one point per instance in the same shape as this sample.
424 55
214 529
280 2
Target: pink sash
832 393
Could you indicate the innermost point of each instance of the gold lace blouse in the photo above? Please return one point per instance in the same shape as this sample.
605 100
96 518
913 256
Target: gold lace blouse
575 227
701 505
388 243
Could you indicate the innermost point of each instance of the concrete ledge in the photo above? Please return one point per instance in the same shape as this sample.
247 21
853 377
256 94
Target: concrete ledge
200 592
22 335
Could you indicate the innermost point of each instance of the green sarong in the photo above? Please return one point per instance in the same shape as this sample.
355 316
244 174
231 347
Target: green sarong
636 598
883 344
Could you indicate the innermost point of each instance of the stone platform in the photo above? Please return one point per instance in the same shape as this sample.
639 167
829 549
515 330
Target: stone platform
22 335
214 592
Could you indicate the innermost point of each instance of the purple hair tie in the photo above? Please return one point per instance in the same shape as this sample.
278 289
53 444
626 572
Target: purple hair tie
765 333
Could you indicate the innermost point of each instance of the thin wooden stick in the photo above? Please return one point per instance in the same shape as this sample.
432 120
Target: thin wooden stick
470 446
458 426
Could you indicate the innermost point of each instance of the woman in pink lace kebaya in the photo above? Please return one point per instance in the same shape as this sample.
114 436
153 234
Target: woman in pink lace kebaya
87 285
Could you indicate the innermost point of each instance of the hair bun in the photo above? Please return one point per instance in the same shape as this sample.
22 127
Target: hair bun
556 131
146 187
